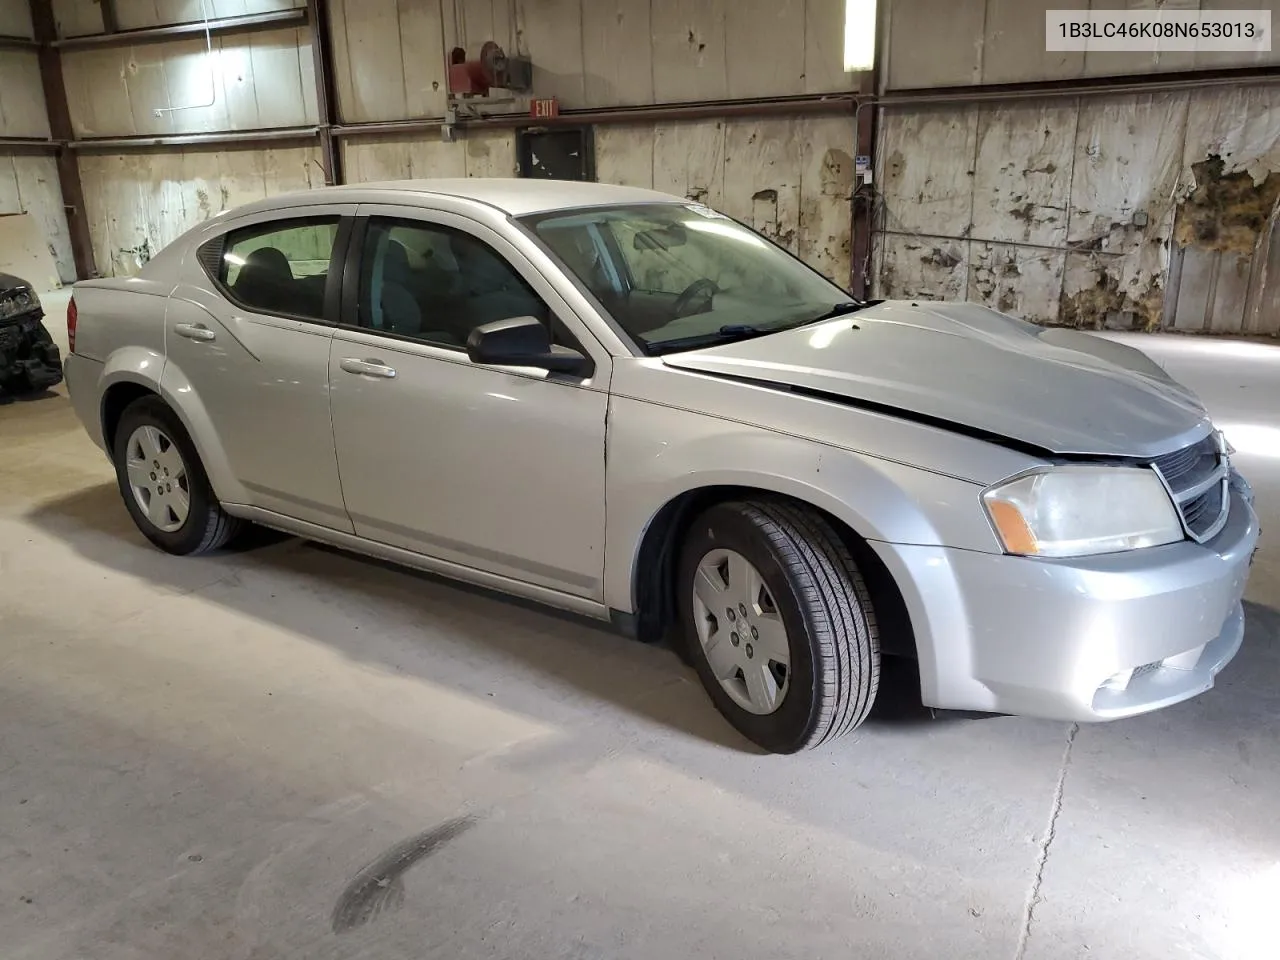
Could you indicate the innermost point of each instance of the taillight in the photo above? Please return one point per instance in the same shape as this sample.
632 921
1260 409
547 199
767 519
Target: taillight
71 325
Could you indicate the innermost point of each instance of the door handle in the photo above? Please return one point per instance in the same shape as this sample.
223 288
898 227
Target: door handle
194 331
367 368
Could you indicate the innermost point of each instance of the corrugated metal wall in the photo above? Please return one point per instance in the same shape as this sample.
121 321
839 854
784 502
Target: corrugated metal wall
1086 211
29 184
1092 211
793 178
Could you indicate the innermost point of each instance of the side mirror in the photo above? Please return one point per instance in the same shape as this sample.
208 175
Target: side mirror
523 342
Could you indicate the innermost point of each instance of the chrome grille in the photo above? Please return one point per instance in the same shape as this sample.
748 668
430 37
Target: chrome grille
1197 477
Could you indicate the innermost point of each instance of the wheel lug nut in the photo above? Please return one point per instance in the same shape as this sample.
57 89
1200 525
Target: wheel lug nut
750 653
732 615
734 639
153 476
755 634
742 609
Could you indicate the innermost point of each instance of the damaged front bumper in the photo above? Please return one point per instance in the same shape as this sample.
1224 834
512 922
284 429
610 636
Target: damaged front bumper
29 359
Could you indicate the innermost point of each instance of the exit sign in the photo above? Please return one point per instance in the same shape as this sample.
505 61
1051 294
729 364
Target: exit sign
543 108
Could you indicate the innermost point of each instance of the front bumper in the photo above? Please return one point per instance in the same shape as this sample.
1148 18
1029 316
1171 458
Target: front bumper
29 359
1087 639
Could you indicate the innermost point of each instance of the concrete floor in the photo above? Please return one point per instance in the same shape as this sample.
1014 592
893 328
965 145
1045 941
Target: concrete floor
198 759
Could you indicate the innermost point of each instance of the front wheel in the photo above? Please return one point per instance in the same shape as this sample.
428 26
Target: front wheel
778 623
163 483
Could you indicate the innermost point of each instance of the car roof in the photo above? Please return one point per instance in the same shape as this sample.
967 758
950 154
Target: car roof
514 196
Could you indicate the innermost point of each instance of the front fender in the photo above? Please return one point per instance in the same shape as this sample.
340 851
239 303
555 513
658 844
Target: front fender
657 454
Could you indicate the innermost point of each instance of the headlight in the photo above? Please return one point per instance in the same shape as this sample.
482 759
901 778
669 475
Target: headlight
1074 511
18 302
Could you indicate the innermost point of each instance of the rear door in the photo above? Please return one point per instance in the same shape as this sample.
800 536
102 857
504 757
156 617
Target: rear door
254 347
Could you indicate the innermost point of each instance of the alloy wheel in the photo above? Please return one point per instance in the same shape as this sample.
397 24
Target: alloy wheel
741 631
158 478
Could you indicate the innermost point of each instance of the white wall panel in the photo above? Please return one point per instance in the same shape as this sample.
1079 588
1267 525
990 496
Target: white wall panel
136 14
368 60
791 178
935 43
1022 178
22 109
29 184
1113 63
824 47
77 18
625 155
1211 60
825 238
138 203
1013 42
922 268
371 159
617 52
249 81
765 42
689 50
926 168
551 36
688 161
1017 280
1075 210
15 18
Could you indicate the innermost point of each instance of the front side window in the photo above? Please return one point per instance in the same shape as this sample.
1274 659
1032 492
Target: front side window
678 276
436 284
280 267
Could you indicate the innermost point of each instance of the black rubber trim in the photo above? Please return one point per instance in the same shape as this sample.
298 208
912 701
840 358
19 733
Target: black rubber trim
334 281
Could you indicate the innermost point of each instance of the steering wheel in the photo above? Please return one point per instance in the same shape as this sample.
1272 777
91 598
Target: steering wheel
698 294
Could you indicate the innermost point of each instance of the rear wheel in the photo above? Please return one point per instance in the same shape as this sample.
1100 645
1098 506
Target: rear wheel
778 623
163 483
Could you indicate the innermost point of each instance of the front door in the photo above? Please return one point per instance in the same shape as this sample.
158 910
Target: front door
496 469
254 352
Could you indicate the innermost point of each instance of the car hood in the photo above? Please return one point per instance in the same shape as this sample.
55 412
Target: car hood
968 367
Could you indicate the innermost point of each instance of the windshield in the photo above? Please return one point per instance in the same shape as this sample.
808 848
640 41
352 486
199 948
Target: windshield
681 276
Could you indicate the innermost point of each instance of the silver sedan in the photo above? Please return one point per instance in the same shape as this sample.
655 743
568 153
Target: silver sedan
628 405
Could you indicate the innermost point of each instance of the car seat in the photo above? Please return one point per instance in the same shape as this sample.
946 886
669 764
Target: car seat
265 281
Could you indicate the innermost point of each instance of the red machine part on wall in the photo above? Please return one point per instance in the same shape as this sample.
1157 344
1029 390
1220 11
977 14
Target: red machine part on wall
474 78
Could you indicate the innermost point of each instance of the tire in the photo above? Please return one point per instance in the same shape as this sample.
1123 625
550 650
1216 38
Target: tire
205 526
813 588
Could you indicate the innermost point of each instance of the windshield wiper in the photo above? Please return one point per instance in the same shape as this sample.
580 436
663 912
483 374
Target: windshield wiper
734 332
729 333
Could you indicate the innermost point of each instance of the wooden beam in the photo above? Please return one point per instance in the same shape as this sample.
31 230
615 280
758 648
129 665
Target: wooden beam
28 145
17 43
55 98
326 93
244 139
110 22
253 23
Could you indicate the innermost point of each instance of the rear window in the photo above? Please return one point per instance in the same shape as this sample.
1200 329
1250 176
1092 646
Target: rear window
280 268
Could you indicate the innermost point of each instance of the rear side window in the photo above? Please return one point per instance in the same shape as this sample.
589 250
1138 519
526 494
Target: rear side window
280 267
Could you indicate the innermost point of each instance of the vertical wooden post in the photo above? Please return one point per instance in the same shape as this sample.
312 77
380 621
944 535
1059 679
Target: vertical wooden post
55 98
326 97
110 22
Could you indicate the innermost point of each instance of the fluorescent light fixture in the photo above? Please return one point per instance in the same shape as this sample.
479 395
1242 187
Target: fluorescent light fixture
859 34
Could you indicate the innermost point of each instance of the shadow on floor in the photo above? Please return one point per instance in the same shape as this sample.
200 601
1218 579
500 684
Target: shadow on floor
581 654
7 398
